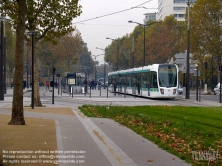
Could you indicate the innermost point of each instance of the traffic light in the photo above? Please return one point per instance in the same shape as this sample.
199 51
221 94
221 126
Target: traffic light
51 84
54 69
205 65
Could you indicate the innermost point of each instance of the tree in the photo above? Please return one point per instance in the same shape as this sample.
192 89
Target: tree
163 40
70 48
51 19
10 52
85 62
206 32
17 106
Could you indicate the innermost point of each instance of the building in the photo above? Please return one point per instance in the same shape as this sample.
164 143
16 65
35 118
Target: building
150 16
175 7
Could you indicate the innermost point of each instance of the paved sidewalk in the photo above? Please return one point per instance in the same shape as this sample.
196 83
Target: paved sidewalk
101 141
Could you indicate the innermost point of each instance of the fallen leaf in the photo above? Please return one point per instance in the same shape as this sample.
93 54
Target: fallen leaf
149 160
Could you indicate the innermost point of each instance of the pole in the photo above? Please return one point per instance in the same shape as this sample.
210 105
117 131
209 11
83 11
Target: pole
27 68
188 54
144 47
4 57
33 87
107 90
61 86
53 80
197 86
2 63
117 57
104 76
133 53
58 85
220 82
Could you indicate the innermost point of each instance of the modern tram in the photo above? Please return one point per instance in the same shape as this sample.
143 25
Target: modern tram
152 81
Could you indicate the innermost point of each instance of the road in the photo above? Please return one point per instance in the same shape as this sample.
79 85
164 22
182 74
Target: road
101 99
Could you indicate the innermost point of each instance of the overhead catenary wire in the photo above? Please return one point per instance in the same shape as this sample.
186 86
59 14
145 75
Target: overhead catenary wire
111 13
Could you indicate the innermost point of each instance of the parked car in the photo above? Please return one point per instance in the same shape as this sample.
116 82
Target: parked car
217 89
180 89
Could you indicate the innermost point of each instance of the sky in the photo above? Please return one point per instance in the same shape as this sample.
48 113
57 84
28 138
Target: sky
98 21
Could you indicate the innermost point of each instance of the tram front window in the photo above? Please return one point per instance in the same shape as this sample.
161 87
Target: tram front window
167 76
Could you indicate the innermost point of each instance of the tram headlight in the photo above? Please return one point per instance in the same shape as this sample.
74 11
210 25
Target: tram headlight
174 91
162 91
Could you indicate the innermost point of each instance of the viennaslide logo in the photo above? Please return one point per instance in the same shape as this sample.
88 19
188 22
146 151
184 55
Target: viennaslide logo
209 155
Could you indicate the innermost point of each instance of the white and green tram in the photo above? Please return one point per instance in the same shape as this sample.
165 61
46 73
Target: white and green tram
153 81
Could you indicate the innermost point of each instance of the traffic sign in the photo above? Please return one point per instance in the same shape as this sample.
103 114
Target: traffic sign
181 55
184 70
180 61
195 73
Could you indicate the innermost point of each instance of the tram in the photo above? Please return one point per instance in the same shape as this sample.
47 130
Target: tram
152 81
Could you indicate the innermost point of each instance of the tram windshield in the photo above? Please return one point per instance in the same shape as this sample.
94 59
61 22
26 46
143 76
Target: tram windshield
167 76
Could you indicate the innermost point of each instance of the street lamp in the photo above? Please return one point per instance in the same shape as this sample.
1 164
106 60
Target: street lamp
104 68
33 33
117 55
95 63
2 59
144 37
197 82
188 54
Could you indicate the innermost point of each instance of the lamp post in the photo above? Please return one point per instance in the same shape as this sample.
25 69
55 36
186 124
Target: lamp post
53 82
197 84
33 33
95 63
144 38
117 55
27 66
188 54
104 68
2 66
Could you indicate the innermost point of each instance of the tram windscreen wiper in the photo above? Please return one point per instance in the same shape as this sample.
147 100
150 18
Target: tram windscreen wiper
164 82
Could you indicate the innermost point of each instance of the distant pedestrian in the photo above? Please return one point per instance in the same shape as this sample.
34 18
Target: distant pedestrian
115 86
92 84
24 84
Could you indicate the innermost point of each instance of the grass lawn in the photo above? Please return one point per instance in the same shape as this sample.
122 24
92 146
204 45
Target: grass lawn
192 133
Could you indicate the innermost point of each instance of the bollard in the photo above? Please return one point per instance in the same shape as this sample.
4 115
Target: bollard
90 93
61 90
100 91
72 92
124 91
135 91
85 89
199 94
107 91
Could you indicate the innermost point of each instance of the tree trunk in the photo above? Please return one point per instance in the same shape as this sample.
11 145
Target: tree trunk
37 101
17 104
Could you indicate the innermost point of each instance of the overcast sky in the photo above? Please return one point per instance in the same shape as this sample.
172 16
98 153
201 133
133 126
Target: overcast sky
95 31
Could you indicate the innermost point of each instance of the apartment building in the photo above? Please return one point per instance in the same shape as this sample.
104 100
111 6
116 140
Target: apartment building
150 16
175 7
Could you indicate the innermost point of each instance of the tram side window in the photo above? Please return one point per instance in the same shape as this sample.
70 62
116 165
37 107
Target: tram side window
128 82
123 79
144 80
153 81
113 79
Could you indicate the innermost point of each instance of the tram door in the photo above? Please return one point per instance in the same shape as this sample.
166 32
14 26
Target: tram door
136 83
